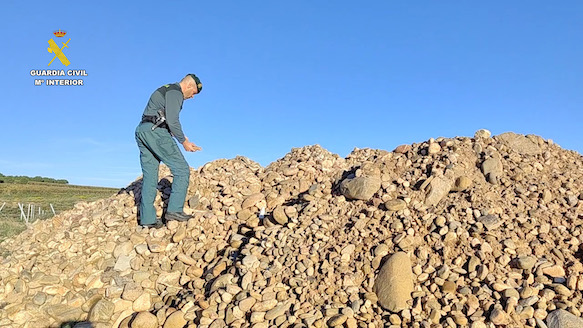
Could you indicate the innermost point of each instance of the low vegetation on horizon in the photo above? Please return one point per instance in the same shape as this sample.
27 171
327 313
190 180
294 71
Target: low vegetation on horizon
25 179
40 194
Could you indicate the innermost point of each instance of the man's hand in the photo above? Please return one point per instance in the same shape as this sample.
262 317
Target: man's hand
189 146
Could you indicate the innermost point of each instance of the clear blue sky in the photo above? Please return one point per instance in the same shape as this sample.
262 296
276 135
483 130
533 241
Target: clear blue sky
283 74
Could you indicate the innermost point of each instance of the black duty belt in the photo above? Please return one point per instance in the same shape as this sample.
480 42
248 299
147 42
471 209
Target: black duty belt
153 119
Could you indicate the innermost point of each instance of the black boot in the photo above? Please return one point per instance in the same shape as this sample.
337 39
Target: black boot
177 216
156 225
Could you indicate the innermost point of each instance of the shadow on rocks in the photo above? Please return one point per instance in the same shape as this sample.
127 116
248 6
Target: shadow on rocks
579 253
136 188
348 174
79 324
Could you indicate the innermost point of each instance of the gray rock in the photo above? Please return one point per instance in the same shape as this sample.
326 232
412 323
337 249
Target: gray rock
39 298
362 188
194 201
519 143
482 133
168 279
526 262
563 319
492 169
48 280
499 317
490 221
337 320
64 313
221 282
395 205
131 291
122 263
101 311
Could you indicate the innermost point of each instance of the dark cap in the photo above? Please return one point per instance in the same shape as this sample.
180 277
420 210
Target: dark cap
196 81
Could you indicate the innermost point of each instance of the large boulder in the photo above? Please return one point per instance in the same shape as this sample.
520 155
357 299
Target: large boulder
394 283
492 169
438 188
520 144
563 319
362 188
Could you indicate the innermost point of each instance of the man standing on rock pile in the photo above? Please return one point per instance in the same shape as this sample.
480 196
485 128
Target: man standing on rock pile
154 134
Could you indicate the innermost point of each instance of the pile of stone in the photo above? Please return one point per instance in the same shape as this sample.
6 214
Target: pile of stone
462 232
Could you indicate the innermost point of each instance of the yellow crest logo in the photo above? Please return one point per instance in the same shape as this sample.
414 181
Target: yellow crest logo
54 48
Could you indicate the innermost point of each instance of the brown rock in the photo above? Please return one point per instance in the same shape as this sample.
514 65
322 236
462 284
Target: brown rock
175 320
168 279
402 149
142 303
337 320
449 287
145 320
264 306
246 304
492 169
554 271
179 234
252 200
279 215
462 183
439 187
131 291
499 317
394 283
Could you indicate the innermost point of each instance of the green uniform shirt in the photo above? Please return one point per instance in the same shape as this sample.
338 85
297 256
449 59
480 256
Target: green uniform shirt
168 97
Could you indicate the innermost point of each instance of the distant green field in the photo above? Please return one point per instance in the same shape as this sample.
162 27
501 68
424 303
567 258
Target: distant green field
61 196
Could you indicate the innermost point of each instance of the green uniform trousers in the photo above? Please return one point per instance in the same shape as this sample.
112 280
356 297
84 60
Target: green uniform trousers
155 146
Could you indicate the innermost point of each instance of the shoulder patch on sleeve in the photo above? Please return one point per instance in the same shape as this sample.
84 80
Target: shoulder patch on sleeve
165 88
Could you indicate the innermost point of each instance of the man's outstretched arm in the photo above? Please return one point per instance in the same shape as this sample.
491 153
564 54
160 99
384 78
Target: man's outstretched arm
173 104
